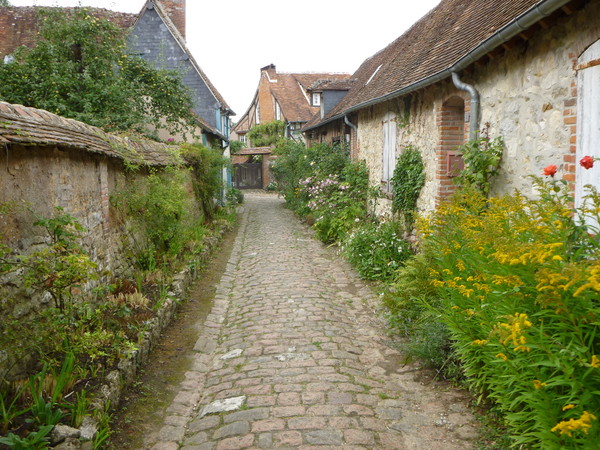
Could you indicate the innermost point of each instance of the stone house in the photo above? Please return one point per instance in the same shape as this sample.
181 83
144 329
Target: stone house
286 97
528 68
156 34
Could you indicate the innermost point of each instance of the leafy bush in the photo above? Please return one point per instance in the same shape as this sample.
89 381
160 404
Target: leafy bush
482 162
206 165
296 163
267 134
62 267
517 283
377 250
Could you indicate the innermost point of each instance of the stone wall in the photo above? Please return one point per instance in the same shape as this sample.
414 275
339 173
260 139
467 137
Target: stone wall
50 161
528 96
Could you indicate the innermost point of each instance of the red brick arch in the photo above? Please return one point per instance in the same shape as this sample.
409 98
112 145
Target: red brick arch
453 126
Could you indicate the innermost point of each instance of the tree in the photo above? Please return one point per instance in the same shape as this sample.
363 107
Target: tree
4 3
267 134
80 69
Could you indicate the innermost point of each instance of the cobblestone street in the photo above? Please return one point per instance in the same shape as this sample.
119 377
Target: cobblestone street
293 356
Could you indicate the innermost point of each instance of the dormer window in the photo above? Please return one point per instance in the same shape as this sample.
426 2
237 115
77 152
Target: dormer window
316 99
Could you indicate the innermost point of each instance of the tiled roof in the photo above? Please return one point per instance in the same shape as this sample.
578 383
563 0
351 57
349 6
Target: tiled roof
289 91
434 44
19 25
254 151
332 85
36 127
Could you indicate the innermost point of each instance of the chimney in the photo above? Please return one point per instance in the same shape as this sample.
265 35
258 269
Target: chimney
271 71
176 11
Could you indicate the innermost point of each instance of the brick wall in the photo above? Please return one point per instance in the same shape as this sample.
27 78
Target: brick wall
453 129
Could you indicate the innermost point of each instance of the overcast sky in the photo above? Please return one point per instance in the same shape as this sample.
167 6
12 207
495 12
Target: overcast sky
232 39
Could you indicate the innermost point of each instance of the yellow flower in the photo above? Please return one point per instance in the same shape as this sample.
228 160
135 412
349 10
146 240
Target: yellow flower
568 426
595 362
502 356
479 342
568 407
538 384
513 331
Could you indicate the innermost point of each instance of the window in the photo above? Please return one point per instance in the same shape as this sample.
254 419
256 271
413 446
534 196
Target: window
277 111
588 118
389 150
243 138
257 113
316 99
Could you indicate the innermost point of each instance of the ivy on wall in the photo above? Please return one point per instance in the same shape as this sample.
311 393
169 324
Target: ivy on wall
407 182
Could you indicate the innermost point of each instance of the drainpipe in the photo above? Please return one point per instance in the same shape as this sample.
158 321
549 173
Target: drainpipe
350 124
474 123
354 127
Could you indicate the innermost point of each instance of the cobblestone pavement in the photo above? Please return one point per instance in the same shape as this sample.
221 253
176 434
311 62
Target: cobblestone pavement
292 356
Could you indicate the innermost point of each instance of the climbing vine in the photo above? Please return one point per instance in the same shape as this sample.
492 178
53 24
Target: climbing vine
482 162
407 182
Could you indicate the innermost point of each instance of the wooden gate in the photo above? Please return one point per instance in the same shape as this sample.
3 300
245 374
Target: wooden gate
247 176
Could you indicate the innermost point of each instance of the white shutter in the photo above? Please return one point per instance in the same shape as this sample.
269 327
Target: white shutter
389 149
588 123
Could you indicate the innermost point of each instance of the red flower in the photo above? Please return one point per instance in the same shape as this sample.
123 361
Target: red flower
550 170
587 162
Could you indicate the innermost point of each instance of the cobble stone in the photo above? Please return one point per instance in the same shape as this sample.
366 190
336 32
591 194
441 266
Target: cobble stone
232 429
324 437
292 329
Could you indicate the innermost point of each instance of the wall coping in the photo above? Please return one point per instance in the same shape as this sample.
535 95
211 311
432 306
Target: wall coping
36 127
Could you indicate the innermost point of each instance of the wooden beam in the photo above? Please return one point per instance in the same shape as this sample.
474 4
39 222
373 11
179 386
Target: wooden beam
568 11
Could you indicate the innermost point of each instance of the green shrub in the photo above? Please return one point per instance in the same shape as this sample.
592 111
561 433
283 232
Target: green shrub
377 250
482 162
206 166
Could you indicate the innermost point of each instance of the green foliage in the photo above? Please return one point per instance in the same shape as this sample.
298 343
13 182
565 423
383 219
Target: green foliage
377 250
62 266
79 69
36 440
234 196
207 166
4 3
407 182
295 164
160 207
267 134
516 284
236 146
482 161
